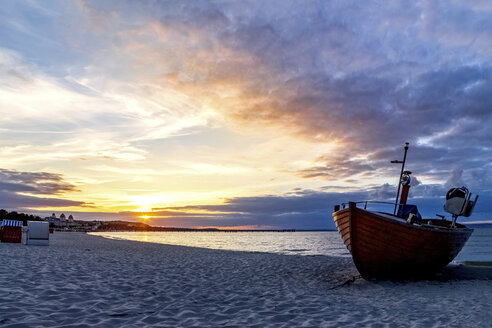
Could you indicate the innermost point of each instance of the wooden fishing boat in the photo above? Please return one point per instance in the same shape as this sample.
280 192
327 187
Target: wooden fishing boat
402 245
385 246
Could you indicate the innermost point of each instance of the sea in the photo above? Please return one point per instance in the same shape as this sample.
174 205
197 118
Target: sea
478 249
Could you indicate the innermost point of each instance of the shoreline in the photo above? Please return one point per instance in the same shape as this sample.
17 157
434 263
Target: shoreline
85 280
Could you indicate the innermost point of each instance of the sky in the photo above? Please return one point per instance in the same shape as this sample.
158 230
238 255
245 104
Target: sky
252 114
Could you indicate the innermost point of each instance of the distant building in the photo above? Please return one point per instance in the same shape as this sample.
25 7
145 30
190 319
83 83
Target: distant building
60 222
70 224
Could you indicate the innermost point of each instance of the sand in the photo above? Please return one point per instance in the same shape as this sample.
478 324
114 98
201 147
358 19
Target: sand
83 281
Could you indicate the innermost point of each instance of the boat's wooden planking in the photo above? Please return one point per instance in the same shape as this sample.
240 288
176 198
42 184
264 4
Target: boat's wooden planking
342 221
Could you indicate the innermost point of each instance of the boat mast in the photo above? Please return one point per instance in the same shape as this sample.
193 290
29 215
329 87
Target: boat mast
401 174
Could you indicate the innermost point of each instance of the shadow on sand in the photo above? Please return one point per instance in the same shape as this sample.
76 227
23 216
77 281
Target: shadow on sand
467 271
453 272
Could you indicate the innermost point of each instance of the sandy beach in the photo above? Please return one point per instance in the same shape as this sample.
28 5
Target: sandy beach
82 280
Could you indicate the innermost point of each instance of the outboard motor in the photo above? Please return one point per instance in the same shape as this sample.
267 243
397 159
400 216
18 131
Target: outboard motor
458 202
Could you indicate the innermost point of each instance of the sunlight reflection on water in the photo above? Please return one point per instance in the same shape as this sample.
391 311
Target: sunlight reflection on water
478 248
298 243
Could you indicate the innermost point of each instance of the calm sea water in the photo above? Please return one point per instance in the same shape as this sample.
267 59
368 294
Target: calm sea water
478 247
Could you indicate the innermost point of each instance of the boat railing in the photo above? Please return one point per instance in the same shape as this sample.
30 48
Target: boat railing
366 202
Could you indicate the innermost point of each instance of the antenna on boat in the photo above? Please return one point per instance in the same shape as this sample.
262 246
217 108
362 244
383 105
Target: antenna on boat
401 174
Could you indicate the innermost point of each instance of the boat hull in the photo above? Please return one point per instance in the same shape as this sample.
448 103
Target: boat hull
384 246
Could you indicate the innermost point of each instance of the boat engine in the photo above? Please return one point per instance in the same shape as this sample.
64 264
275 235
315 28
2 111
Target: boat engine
458 202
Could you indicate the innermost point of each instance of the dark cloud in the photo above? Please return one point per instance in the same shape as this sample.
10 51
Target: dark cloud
341 77
34 182
14 185
302 209
335 167
299 209
10 200
383 192
365 75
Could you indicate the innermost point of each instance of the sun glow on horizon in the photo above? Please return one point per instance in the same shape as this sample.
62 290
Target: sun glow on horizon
145 203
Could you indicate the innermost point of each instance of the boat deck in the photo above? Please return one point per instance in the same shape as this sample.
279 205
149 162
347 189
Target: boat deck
438 224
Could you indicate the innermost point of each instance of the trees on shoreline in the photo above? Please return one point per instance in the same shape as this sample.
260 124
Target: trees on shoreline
5 215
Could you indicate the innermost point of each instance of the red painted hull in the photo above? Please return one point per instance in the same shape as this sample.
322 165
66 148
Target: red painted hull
384 246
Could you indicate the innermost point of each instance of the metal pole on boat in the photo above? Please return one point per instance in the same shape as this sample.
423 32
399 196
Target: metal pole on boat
401 174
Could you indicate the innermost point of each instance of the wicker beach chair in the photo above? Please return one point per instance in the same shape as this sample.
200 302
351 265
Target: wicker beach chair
10 231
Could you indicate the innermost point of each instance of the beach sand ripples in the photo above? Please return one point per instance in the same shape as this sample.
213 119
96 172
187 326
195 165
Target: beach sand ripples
82 280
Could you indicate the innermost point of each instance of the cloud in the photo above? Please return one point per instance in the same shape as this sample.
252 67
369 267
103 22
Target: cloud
455 180
34 182
363 76
23 190
302 209
359 77
299 209
337 166
382 192
10 200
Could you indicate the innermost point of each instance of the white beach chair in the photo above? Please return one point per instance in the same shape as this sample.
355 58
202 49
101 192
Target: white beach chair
38 233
